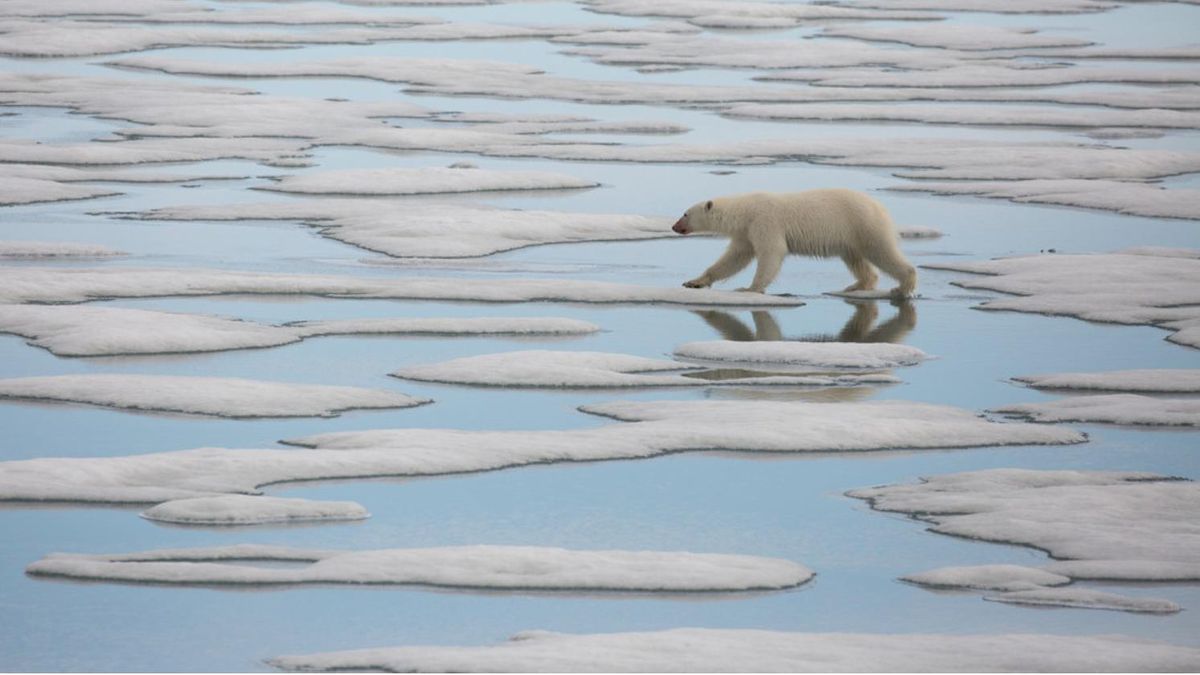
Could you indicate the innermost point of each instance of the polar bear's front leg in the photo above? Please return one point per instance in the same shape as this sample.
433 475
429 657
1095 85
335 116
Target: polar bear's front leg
769 263
734 260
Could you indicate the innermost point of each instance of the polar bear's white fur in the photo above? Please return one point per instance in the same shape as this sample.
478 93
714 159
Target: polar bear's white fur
822 223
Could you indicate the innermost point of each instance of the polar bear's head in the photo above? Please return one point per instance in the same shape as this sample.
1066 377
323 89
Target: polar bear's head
696 219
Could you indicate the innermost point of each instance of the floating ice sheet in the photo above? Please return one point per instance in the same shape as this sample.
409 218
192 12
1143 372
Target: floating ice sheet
223 397
69 330
1133 289
252 510
424 229
941 113
852 355
956 36
1086 598
1138 199
47 285
648 429
477 567
1129 523
1112 409
54 249
1146 380
428 180
713 650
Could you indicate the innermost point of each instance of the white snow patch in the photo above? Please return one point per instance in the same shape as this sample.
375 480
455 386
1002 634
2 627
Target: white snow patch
55 285
957 36
729 650
55 249
1161 380
1139 199
224 397
940 113
1136 522
251 510
428 180
1085 598
434 230
852 355
571 369
659 427
988 578
522 326
480 567
1114 288
1111 409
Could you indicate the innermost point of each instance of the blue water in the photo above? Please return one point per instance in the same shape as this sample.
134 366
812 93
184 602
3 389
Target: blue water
787 506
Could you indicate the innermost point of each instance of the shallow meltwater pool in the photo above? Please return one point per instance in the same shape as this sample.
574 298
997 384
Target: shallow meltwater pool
535 446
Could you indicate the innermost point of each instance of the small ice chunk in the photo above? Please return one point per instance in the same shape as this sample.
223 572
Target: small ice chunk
988 578
514 568
446 326
1086 598
1160 380
1111 409
730 650
852 355
1127 570
55 249
251 510
223 397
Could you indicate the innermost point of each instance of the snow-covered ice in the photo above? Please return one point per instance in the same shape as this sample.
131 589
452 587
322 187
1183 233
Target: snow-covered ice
55 249
1127 522
729 650
424 229
224 397
477 567
1139 199
252 510
850 355
1112 409
1143 380
988 578
1085 598
429 180
542 368
646 429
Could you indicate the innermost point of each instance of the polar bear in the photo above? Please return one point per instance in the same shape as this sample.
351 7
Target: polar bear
821 223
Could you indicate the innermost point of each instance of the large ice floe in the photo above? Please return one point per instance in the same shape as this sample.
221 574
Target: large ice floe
57 285
1112 409
423 181
579 369
424 229
11 249
1144 380
1136 288
223 397
851 355
73 330
1126 526
645 429
514 568
252 510
1130 198
729 650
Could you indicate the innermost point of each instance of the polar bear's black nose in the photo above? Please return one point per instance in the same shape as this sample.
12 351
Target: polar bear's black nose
681 226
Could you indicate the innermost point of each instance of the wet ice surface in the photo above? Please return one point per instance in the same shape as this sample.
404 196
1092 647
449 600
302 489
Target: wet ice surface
654 141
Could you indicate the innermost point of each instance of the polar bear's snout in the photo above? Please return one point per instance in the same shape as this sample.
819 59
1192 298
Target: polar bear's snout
681 226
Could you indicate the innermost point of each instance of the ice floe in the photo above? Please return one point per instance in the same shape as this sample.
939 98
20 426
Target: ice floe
69 330
1146 380
986 75
1133 289
956 36
733 14
988 578
423 181
646 429
1111 409
224 397
730 650
1085 598
1139 199
423 229
252 510
579 369
54 249
1125 524
850 355
56 285
1006 115
517 568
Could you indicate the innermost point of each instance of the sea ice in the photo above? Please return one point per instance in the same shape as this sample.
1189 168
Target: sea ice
648 429
1138 199
1112 409
1085 598
988 578
730 650
54 249
425 229
955 36
859 356
1113 287
1127 522
517 568
1147 380
1006 115
251 510
426 180
223 397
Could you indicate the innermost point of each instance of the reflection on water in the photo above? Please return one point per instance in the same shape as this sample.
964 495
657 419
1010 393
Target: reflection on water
859 328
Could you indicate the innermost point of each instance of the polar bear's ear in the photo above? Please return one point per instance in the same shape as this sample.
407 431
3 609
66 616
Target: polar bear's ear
708 206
